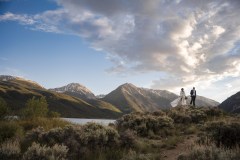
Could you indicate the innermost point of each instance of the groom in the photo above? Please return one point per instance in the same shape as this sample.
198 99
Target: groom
193 94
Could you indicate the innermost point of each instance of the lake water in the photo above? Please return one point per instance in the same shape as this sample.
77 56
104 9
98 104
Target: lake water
84 121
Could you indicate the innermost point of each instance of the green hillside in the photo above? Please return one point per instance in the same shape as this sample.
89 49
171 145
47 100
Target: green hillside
17 91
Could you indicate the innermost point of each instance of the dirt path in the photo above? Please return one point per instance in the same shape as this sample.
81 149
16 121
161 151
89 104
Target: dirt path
181 148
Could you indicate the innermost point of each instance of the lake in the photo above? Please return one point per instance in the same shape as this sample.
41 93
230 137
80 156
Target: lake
84 121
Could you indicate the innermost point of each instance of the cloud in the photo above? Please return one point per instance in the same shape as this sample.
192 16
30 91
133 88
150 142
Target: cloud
192 42
23 19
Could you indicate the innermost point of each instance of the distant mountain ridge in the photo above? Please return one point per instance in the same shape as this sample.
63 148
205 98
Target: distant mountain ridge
76 100
129 98
79 91
204 102
16 91
231 104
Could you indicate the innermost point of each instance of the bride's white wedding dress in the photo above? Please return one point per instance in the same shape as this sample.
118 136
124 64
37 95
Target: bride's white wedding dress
180 101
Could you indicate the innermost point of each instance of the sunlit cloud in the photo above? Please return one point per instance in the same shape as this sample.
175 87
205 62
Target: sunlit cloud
192 42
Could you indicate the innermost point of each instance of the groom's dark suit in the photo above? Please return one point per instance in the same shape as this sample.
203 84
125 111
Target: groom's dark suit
193 94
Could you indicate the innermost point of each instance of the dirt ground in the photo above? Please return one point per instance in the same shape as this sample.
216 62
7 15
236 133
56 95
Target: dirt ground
181 148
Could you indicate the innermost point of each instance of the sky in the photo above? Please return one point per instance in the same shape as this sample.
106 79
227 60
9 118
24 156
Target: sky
158 44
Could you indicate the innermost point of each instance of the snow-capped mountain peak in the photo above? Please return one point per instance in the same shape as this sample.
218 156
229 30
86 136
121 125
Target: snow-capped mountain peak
76 89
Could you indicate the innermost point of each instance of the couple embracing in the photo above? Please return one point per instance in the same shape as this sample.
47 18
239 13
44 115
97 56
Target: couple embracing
182 100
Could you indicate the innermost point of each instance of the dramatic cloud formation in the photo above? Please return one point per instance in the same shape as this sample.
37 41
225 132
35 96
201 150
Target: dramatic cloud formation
189 42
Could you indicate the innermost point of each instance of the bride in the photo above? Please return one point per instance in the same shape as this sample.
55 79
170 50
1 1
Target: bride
180 101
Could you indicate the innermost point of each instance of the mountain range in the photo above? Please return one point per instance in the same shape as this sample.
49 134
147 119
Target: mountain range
16 91
129 98
76 100
75 89
231 104
79 91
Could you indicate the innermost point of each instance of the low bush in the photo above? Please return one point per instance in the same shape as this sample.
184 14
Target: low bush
146 124
197 115
214 112
3 108
171 142
80 140
110 154
188 115
52 114
132 155
180 117
95 135
38 152
10 150
128 139
192 129
211 153
159 113
224 134
9 130
46 123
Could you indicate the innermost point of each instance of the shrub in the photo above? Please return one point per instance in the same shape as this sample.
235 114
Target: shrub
128 139
94 135
197 115
214 112
3 108
80 140
10 150
132 155
35 135
171 142
51 137
38 152
188 115
110 154
52 114
180 117
35 108
46 123
145 124
211 153
159 113
224 134
191 129
8 130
